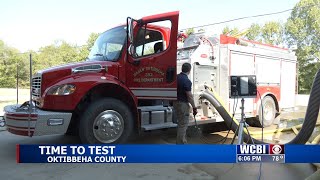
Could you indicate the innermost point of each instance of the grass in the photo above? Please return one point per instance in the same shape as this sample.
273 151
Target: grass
13 92
9 96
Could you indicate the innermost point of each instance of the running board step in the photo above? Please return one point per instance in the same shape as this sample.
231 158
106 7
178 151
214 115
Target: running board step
149 127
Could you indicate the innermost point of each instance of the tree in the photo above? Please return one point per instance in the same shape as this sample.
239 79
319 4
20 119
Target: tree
254 32
189 31
55 54
60 52
92 38
272 33
303 29
226 30
12 61
230 32
84 51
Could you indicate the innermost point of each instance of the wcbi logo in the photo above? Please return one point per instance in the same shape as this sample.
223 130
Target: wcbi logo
253 149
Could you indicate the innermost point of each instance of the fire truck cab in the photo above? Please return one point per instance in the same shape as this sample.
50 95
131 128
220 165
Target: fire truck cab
124 86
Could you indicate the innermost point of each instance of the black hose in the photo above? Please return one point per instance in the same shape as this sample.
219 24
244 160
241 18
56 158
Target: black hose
308 124
311 114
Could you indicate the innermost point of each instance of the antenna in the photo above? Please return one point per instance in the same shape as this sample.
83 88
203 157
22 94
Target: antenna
17 86
30 101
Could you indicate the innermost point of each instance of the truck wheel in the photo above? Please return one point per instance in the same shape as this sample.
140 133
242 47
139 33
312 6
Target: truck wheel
269 111
106 121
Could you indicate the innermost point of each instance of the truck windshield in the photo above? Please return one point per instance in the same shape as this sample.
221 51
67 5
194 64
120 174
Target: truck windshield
108 45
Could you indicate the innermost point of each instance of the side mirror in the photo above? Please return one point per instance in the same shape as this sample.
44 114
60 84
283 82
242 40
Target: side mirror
131 49
130 29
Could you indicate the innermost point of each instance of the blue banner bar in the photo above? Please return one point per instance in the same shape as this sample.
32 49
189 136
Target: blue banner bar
302 153
167 153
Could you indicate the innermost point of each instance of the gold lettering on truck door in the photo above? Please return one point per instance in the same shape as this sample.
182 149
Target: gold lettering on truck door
148 77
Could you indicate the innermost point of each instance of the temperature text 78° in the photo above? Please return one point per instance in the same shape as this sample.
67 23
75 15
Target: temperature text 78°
277 158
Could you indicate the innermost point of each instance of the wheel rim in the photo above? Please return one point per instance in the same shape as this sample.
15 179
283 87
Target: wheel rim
268 112
108 126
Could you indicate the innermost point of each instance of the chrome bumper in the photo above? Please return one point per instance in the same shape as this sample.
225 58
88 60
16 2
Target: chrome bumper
37 123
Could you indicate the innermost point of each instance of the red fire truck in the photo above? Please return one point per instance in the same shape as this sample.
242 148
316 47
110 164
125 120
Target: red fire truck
128 82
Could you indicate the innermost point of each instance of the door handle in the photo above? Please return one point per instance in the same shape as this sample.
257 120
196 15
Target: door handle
170 75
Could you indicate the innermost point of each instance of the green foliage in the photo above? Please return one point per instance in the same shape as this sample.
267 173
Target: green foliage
84 50
10 62
254 33
226 30
92 38
56 54
60 52
272 33
230 32
303 29
189 31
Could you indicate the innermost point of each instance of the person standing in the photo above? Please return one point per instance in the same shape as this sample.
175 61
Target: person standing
181 106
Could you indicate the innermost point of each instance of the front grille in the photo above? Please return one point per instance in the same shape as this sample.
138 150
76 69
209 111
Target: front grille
36 88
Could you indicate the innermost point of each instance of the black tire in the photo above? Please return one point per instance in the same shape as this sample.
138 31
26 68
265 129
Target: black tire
269 111
87 130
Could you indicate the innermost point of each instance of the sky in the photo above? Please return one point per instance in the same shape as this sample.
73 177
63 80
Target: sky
31 24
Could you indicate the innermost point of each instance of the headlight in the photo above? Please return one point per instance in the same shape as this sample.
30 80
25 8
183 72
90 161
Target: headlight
65 89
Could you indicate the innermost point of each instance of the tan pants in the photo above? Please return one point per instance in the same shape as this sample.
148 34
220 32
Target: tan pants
182 112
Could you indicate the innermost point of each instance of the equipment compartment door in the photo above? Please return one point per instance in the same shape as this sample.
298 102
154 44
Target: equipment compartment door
151 70
242 64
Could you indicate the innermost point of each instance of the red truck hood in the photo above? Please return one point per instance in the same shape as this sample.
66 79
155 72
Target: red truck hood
68 67
53 75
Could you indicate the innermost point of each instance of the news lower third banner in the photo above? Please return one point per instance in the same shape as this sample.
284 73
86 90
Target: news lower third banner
268 153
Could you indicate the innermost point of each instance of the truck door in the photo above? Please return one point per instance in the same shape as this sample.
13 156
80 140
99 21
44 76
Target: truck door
151 67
